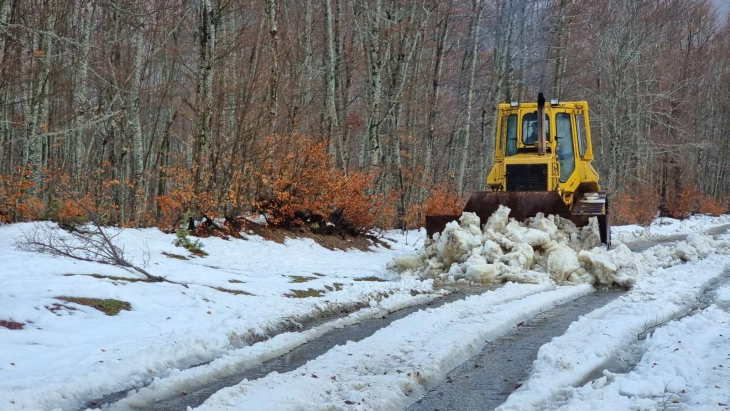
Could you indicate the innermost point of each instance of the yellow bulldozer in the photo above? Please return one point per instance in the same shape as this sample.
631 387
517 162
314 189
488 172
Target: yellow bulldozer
541 167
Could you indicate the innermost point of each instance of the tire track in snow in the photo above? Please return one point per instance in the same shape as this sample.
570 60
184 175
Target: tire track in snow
486 380
281 353
592 342
391 368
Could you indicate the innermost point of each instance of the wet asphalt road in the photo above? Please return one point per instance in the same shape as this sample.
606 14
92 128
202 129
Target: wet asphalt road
486 380
290 361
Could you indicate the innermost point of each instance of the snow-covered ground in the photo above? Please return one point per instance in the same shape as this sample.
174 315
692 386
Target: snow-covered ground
66 355
666 226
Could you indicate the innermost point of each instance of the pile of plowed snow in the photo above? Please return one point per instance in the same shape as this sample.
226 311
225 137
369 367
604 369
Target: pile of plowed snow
541 249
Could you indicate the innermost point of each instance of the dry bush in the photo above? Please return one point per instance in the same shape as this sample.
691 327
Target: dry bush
297 184
710 206
689 200
181 197
682 203
18 201
637 206
444 200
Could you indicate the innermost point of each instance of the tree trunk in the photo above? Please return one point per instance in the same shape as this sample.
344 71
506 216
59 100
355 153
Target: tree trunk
81 98
272 7
333 123
428 166
204 93
463 151
135 126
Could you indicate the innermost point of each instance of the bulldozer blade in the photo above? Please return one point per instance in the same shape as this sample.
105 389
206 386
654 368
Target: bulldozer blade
437 223
523 205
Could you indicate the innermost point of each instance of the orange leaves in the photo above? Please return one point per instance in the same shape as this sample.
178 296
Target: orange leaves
443 200
689 200
180 197
707 205
639 205
297 177
18 201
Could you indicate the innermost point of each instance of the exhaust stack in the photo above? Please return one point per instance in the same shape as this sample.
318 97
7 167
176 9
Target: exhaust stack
540 124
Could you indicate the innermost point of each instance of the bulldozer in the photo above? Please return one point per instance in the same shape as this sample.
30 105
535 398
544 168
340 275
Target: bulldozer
542 164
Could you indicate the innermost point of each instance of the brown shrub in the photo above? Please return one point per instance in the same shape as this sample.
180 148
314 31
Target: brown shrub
18 201
444 200
707 205
637 206
297 178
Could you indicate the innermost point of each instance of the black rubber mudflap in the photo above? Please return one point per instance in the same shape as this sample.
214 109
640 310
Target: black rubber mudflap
604 226
437 223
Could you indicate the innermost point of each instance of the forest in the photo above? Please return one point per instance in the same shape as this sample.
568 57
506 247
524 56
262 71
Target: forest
371 111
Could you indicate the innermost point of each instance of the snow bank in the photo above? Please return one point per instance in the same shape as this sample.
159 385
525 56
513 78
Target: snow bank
683 365
665 226
540 249
683 356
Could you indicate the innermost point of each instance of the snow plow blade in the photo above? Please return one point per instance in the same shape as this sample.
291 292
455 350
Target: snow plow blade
526 204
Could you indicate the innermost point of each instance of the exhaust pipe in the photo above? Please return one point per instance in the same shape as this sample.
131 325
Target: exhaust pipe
540 124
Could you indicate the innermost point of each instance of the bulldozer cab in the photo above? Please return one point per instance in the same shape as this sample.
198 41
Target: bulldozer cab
542 164
563 166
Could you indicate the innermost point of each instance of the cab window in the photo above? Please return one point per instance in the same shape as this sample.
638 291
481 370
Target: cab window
529 128
580 123
511 133
565 149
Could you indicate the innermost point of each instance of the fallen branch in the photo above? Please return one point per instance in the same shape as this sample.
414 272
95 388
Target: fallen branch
88 243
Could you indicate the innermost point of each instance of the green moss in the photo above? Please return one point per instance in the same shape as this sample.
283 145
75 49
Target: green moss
301 279
334 287
108 306
175 256
236 292
311 292
375 279
110 277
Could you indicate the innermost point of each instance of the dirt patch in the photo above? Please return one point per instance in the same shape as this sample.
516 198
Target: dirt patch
373 279
301 279
334 287
111 277
175 256
310 292
328 241
11 325
236 282
108 306
231 228
58 307
229 291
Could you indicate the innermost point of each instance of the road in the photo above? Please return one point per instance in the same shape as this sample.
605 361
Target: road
482 382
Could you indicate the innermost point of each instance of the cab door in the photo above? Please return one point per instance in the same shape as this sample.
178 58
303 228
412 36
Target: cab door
565 144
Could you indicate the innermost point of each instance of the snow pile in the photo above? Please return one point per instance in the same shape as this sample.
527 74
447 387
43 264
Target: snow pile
696 247
683 362
541 249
